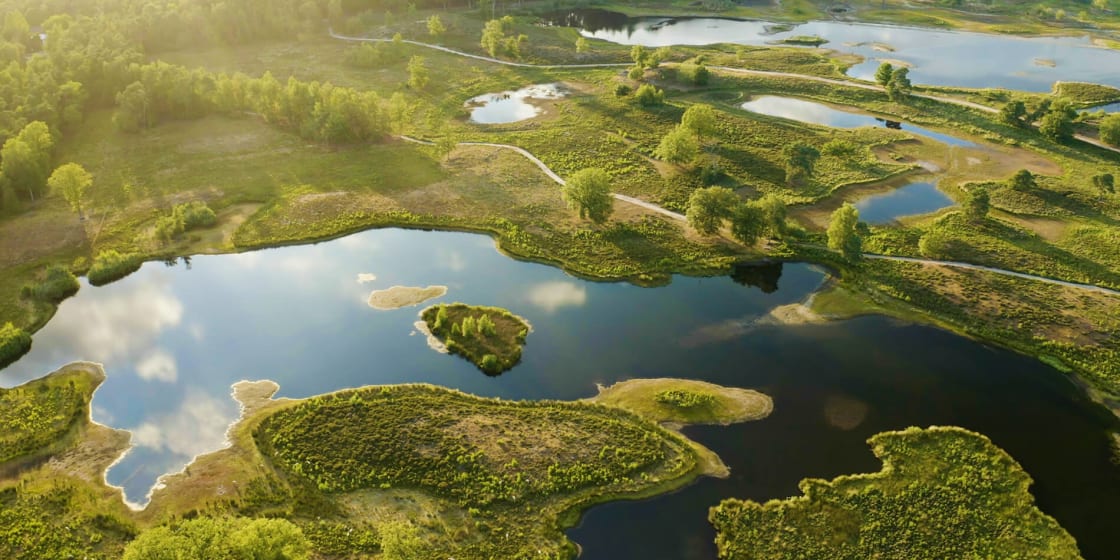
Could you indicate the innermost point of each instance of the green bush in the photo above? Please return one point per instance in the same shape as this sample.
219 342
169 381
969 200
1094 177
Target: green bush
110 266
684 399
183 218
693 73
14 343
57 284
649 96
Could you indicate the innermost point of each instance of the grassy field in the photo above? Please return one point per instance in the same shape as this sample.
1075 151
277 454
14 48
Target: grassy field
942 493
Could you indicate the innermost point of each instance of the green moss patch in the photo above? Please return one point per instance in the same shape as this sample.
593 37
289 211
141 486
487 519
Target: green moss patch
489 337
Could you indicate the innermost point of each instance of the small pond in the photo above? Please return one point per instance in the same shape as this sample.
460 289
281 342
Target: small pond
511 106
946 58
910 200
1110 108
819 113
174 338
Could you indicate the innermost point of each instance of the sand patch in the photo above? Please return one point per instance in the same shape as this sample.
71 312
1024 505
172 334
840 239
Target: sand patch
792 314
433 342
398 297
365 277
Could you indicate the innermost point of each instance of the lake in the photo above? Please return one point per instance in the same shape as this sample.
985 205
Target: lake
827 115
944 58
174 338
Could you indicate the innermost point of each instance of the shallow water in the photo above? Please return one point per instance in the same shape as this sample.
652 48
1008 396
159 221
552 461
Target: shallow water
944 58
511 106
819 113
173 340
909 200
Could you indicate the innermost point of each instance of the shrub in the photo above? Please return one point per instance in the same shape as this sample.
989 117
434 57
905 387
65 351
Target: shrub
622 90
1110 129
694 73
183 218
14 343
111 266
649 96
57 285
684 399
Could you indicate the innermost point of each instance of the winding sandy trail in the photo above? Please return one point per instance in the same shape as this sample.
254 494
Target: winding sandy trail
557 178
970 266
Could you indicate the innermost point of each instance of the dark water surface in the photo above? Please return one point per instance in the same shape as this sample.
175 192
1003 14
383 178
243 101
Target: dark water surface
944 58
173 340
910 200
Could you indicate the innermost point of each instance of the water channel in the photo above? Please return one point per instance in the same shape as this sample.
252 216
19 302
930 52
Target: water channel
174 338
945 58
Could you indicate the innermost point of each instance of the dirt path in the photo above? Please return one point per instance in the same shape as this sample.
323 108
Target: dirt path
970 266
557 178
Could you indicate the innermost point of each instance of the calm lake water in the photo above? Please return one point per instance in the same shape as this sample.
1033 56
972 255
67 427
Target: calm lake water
173 340
511 106
937 57
818 113
910 200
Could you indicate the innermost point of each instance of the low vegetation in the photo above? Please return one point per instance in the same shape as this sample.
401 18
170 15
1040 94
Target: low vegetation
686 401
488 337
14 343
111 265
943 493
38 416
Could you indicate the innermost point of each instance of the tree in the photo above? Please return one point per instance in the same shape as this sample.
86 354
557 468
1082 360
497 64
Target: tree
709 207
71 181
884 73
495 40
133 108
1105 183
800 159
747 223
899 86
843 232
773 214
1057 124
978 204
1014 113
269 539
417 73
700 119
1022 180
1110 129
25 159
435 26
638 54
678 146
588 191
692 72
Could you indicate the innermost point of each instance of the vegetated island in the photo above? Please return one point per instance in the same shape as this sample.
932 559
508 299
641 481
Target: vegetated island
686 401
944 492
398 297
488 337
404 471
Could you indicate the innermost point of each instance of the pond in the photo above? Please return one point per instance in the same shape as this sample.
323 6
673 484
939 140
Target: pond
174 338
827 115
1110 108
511 106
945 58
911 200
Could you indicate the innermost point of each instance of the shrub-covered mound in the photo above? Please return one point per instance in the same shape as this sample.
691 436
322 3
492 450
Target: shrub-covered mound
489 337
14 343
38 414
943 493
476 452
110 266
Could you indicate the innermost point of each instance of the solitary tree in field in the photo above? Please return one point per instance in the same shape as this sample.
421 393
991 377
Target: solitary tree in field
1022 180
417 73
71 181
899 87
884 73
435 26
700 119
800 159
1110 129
678 146
978 204
709 207
1014 113
589 193
843 232
748 223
